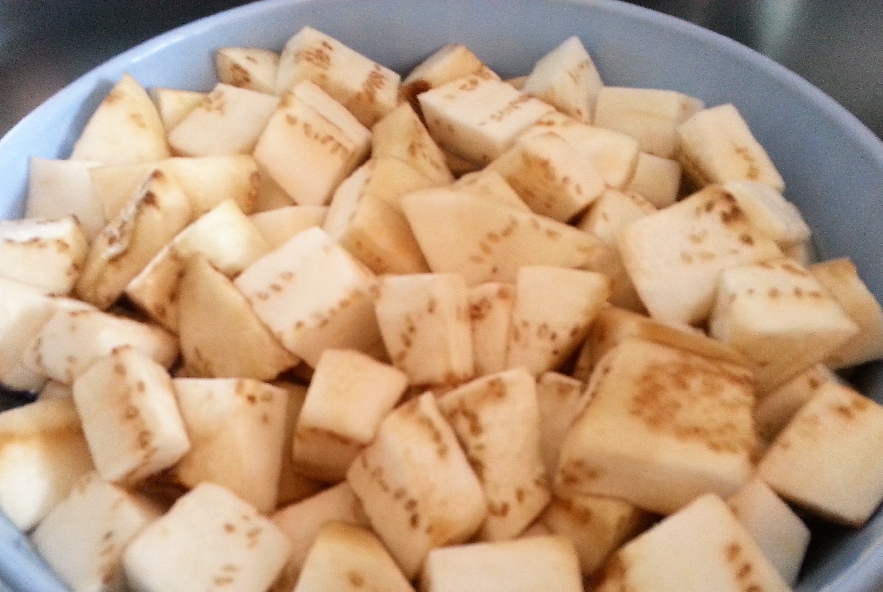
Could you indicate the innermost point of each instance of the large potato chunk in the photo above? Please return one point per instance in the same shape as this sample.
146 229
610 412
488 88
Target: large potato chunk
449 62
416 485
663 427
703 547
42 456
497 420
827 457
313 295
48 254
566 78
130 417
170 555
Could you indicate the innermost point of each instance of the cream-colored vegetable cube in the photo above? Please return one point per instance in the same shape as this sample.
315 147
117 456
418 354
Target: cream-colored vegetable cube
170 555
551 316
115 185
488 242
649 115
490 310
248 67
449 62
279 225
416 485
219 334
777 530
597 526
567 79
560 400
349 558
125 128
497 421
716 145
42 456
60 188
23 311
293 486
310 131
77 334
663 427
83 537
153 216
130 418
48 254
402 135
675 256
425 324
769 212
174 104
302 522
533 564
478 117
360 84
236 429
703 547
657 179
827 458
209 181
551 177
489 184
229 120
841 278
313 295
775 409
780 317
348 397
227 239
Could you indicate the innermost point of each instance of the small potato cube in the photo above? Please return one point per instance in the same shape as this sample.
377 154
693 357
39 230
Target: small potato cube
567 79
490 310
497 421
310 131
424 321
716 145
675 256
537 564
313 295
229 120
560 400
649 115
130 418
171 554
24 310
489 184
360 84
174 104
827 458
656 179
479 116
47 254
402 135
775 409
770 212
83 537
780 317
236 429
60 188
279 225
348 558
209 181
449 62
248 67
125 128
663 427
43 454
348 397
703 547
416 485
552 313
778 531
551 177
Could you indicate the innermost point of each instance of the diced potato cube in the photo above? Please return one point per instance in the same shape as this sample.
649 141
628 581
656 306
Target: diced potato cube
567 79
174 104
115 185
775 409
703 547
425 324
83 537
42 456
497 421
279 225
676 255
489 184
560 400
490 310
60 188
130 418
125 128
769 212
24 310
537 564
48 254
170 555
657 179
209 181
416 485
663 427
248 67
826 458
402 135
449 62
348 397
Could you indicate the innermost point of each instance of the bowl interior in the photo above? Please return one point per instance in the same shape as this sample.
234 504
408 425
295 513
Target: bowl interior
833 165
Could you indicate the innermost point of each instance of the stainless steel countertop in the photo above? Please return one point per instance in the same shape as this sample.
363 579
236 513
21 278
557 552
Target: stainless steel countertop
835 44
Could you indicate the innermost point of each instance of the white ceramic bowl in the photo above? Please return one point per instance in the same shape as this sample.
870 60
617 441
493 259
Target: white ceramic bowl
832 164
